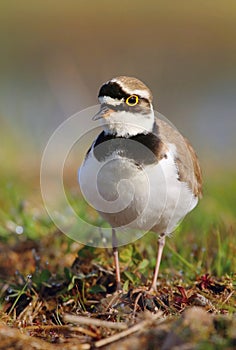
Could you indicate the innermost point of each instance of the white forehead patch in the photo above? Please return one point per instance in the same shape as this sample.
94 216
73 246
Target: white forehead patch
110 101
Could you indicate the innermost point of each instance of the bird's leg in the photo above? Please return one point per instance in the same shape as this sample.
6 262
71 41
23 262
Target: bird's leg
116 259
161 244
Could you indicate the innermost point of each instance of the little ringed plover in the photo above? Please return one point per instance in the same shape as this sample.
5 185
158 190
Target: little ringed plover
151 155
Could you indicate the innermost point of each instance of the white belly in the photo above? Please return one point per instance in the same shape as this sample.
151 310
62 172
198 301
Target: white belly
146 199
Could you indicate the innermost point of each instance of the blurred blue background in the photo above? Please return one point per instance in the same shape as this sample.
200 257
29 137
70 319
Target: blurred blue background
55 55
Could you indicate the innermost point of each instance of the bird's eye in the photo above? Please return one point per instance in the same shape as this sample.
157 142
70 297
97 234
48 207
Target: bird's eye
132 100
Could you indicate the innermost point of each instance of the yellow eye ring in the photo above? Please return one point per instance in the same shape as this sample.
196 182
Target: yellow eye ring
132 100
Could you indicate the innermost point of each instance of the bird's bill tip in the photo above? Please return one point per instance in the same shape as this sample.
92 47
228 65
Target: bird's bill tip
102 113
97 116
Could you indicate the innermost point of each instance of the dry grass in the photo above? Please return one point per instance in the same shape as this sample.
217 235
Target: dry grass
55 293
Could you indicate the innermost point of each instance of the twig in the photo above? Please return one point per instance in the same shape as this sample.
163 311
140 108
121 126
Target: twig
115 297
61 327
94 322
228 297
100 268
45 327
85 331
136 302
131 330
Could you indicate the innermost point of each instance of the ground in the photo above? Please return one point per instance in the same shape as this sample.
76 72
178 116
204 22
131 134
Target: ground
57 293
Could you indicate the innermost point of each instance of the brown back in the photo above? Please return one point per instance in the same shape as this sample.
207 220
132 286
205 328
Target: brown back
186 158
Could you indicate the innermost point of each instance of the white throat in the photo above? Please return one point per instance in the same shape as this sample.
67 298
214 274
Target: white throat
125 124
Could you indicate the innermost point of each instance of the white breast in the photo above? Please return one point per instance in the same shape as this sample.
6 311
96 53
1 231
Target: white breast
143 199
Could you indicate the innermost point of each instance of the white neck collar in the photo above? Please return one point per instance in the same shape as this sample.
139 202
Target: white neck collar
126 124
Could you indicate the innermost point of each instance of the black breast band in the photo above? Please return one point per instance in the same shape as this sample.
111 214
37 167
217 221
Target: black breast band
142 148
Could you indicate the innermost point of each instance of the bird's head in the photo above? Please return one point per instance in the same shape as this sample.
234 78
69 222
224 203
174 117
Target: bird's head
126 107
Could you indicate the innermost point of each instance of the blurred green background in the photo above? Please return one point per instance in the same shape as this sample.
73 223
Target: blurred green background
56 54
54 57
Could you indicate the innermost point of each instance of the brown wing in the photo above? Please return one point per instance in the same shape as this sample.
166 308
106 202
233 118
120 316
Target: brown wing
186 158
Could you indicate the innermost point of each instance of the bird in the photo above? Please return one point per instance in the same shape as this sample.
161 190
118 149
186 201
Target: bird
140 172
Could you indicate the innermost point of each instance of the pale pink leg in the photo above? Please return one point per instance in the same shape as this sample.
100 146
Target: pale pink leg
161 244
116 259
